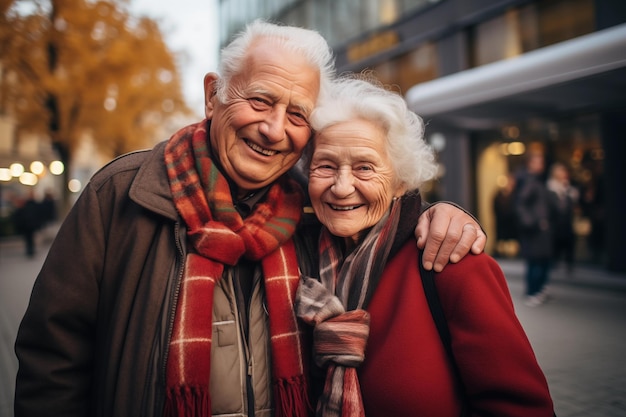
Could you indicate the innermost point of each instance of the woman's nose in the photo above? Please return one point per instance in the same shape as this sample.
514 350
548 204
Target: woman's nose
344 183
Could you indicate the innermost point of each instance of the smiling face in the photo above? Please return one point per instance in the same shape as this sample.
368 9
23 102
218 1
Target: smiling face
351 181
262 129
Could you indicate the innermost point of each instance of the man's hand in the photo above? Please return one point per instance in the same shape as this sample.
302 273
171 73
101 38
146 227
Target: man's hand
446 234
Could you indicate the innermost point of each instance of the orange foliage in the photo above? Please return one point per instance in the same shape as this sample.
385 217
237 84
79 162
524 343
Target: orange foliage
76 66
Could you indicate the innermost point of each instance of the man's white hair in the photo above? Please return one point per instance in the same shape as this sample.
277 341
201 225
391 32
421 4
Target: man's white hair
309 43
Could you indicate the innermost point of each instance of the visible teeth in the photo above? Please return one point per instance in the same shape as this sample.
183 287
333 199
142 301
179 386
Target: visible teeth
344 208
257 148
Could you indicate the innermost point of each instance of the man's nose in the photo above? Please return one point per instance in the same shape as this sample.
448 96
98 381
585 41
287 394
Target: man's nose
344 183
273 127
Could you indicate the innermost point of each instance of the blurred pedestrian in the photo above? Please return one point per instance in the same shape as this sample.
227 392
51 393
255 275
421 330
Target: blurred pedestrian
593 208
49 216
535 216
27 221
506 218
566 199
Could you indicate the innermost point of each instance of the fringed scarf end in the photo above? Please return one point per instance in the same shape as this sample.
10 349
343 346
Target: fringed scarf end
291 397
187 401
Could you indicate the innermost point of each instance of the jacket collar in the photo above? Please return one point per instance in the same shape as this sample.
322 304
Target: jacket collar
151 188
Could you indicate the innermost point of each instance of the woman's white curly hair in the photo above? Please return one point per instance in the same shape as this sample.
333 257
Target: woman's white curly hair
361 96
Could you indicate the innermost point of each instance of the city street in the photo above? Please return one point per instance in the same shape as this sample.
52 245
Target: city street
579 335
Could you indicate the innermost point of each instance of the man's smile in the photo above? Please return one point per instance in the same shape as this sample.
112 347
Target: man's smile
258 149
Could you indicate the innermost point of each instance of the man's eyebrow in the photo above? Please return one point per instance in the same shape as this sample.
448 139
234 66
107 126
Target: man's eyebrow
302 108
260 91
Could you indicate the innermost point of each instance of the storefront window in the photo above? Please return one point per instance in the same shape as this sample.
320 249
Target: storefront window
533 26
573 142
337 20
411 68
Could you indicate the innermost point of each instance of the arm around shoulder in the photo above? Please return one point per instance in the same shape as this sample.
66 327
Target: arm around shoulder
447 233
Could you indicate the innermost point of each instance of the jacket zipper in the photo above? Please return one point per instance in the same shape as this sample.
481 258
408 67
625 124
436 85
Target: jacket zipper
174 302
244 335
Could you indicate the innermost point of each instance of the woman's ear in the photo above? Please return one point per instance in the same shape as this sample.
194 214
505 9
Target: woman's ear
401 189
210 90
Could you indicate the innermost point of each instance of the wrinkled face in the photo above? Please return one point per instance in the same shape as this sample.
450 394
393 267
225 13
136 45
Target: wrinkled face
262 129
351 180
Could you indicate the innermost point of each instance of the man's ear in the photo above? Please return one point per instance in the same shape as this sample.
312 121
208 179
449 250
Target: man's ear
210 90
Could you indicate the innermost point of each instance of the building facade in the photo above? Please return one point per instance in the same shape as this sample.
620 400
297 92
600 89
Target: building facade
493 79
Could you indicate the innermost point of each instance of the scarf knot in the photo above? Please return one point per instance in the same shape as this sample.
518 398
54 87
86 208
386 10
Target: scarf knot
339 337
215 241
342 339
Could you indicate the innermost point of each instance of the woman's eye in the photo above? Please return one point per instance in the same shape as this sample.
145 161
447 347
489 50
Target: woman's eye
323 170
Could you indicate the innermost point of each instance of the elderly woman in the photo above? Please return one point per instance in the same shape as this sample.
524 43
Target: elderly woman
368 154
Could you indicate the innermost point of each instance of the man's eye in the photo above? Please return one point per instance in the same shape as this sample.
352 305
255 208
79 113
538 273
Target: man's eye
259 102
298 119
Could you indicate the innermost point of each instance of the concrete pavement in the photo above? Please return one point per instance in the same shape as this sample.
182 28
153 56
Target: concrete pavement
579 338
17 274
579 335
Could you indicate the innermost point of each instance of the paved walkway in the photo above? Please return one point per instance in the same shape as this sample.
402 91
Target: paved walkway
579 336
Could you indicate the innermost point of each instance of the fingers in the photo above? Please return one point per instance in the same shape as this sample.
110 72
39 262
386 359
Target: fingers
421 231
479 244
446 234
435 240
449 244
465 243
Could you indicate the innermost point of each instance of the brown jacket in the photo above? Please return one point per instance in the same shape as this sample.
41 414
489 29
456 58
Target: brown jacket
93 341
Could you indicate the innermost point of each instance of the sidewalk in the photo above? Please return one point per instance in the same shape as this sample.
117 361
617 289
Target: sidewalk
581 276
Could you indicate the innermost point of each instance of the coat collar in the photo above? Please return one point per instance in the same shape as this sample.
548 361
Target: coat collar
151 188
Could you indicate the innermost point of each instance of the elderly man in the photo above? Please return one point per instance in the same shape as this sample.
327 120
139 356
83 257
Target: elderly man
169 289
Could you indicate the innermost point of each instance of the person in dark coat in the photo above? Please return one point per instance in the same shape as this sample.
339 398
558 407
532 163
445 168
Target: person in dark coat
535 216
565 198
506 218
27 221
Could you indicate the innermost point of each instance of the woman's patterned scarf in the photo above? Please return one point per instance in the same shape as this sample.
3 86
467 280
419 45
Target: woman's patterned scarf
219 236
336 307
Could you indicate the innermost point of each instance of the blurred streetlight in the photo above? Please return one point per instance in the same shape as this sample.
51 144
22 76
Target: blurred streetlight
37 167
74 185
28 178
57 167
16 169
5 174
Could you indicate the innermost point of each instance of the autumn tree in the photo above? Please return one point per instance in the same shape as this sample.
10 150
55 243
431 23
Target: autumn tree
77 66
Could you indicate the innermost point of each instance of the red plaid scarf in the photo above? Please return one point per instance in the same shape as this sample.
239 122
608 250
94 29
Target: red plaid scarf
220 236
335 306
